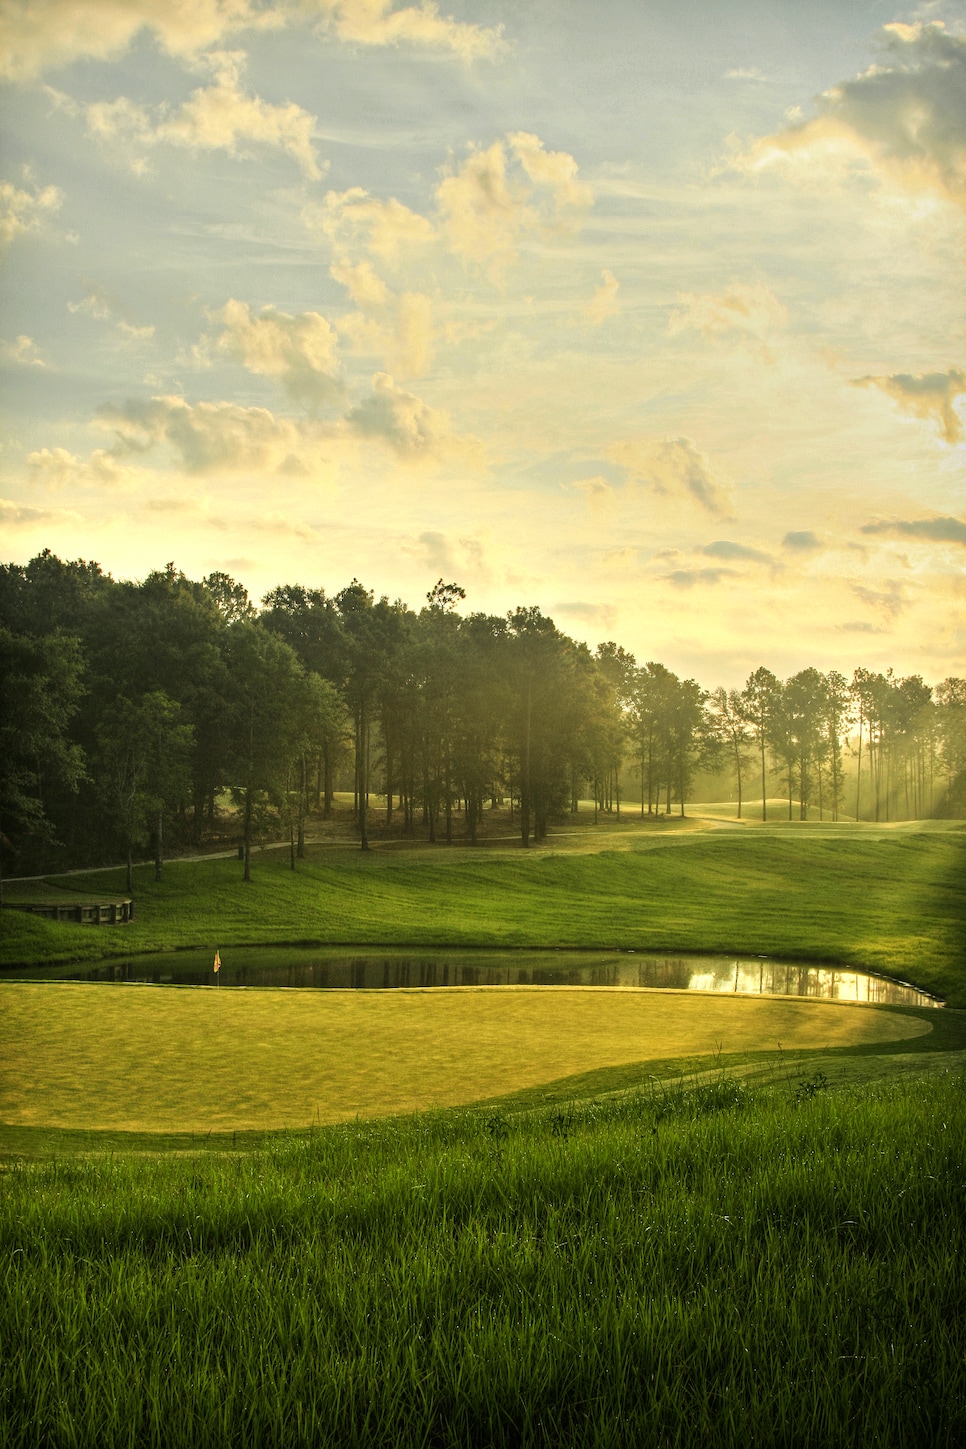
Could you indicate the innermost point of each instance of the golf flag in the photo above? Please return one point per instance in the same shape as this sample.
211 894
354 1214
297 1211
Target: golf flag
217 960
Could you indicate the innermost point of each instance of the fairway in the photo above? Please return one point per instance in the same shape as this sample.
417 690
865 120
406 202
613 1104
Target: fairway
192 1060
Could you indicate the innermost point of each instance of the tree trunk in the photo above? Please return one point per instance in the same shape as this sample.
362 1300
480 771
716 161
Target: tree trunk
158 862
247 841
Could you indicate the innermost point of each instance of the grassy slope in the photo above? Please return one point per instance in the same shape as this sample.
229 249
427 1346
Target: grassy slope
894 902
709 1268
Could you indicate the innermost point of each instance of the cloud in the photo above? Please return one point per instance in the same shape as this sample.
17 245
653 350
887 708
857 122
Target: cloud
24 352
904 116
675 467
94 303
22 212
364 285
889 601
58 468
603 304
556 171
208 437
282 524
376 22
604 616
40 35
453 558
397 329
354 218
300 351
691 578
410 427
17 515
99 304
749 310
219 117
738 552
803 541
929 395
929 530
601 496
498 195
860 626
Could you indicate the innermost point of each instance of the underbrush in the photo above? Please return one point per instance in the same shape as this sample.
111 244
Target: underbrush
710 1265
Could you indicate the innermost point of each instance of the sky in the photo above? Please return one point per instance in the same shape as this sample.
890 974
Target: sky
651 315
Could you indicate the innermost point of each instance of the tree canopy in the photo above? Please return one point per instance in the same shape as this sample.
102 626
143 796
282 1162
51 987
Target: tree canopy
136 710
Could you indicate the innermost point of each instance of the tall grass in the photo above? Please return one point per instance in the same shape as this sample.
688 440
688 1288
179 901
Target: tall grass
710 1266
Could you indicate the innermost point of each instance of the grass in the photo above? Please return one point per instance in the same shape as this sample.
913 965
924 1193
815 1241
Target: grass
654 1225
709 1266
890 900
93 1057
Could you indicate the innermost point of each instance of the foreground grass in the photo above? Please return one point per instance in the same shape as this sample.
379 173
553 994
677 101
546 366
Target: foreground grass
892 901
99 1057
713 1266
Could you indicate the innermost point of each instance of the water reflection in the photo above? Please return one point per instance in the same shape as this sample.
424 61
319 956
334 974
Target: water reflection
383 970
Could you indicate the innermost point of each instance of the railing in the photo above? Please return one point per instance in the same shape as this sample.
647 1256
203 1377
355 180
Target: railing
90 913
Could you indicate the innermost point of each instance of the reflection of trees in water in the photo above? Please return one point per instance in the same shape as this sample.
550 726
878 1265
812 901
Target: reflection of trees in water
721 974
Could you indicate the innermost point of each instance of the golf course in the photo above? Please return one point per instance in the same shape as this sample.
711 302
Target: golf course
472 1214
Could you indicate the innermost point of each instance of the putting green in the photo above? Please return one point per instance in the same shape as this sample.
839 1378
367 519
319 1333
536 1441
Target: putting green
166 1060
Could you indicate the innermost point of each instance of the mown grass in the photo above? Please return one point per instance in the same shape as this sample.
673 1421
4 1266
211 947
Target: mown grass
707 1266
96 1057
890 901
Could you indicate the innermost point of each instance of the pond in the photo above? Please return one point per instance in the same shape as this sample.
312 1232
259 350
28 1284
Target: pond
375 969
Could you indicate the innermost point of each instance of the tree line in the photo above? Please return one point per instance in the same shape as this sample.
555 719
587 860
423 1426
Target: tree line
132 710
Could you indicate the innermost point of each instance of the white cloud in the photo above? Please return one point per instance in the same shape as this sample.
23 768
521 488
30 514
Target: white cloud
604 303
98 303
742 309
556 171
411 428
364 285
929 395
218 117
58 468
448 557
94 303
300 351
40 35
904 116
23 211
354 218
500 194
397 329
208 437
601 496
24 352
376 22
20 516
672 466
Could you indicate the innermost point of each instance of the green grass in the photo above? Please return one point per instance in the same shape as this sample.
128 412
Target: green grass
97 1058
713 1265
892 901
712 1241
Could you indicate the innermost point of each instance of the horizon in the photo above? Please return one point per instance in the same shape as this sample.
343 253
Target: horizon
653 320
